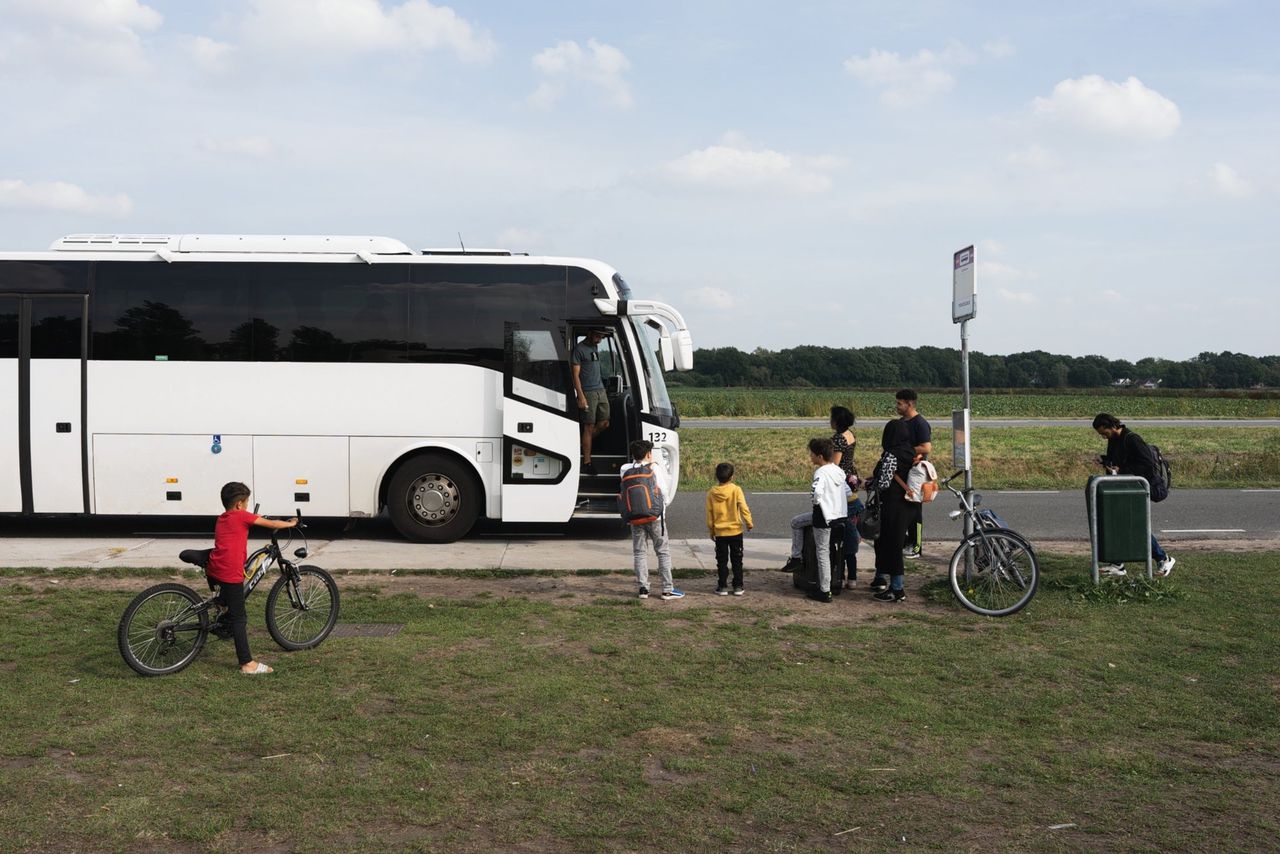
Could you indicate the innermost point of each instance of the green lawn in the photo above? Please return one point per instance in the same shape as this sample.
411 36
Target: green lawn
595 721
1003 458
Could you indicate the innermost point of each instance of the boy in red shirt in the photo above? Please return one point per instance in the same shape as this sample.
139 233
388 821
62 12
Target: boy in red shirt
226 566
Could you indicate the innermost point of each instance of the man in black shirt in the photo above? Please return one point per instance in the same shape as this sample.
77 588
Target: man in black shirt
922 440
1127 453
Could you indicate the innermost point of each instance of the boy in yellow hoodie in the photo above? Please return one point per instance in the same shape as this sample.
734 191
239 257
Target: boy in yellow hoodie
727 516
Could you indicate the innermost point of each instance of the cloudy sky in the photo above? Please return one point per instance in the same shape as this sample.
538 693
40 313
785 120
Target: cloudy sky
784 173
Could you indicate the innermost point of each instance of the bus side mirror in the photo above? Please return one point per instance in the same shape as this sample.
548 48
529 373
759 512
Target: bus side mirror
667 353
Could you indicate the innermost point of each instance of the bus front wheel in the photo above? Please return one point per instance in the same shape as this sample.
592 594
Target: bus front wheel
433 499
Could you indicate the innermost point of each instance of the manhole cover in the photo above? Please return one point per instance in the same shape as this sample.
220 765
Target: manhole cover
366 630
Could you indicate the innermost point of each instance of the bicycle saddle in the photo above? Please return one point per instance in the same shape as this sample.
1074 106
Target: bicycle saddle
196 557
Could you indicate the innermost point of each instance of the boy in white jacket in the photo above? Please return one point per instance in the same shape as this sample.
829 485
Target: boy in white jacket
828 499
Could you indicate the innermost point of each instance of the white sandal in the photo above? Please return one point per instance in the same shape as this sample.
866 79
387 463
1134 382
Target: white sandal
261 668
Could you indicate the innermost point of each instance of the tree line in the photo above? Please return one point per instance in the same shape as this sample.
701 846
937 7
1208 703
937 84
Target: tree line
934 367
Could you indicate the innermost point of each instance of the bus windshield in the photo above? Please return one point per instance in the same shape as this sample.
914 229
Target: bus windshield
659 399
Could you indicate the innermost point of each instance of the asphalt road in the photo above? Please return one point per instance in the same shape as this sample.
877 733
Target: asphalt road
1195 514
944 421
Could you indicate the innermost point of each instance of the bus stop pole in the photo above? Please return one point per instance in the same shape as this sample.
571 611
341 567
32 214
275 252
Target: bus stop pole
964 377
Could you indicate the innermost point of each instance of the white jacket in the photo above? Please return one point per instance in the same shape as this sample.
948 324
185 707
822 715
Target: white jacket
828 492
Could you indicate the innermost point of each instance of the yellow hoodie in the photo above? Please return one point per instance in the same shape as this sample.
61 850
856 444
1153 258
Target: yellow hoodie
727 510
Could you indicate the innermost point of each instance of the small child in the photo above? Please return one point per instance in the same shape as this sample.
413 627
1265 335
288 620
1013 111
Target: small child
827 496
727 515
655 531
225 570
851 540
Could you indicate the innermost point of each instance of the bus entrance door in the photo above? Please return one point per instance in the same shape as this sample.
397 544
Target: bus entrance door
540 438
50 405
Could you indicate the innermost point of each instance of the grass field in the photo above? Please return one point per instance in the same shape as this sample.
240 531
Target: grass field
593 721
1021 458
817 403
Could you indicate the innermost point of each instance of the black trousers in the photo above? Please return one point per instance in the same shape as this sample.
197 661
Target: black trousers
231 595
914 538
894 518
729 549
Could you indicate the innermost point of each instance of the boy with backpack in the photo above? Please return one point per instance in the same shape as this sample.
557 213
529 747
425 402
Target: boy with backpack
640 501
728 518
1127 453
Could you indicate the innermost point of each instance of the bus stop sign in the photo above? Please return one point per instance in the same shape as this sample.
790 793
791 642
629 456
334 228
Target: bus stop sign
963 287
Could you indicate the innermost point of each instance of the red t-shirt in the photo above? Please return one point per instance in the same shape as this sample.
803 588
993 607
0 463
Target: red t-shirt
230 546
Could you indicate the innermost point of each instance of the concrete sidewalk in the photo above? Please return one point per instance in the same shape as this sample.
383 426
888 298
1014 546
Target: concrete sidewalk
509 553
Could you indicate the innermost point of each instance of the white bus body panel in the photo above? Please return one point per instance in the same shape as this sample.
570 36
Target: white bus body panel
536 497
304 412
57 484
284 466
10 484
132 473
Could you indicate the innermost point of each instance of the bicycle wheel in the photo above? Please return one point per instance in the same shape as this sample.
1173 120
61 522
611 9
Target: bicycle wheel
305 615
161 632
1003 575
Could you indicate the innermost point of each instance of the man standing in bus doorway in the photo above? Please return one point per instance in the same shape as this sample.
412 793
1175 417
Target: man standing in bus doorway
593 401
922 440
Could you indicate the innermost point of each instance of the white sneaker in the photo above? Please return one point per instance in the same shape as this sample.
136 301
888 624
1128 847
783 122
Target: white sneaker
1166 567
1112 570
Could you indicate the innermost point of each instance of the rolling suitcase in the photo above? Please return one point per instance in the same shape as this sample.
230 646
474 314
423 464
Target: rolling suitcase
805 577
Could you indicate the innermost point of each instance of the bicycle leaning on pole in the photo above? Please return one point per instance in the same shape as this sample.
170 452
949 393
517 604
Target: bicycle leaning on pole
994 570
165 626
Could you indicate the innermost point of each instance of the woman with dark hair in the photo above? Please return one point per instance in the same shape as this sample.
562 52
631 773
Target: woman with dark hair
844 442
888 480
1127 453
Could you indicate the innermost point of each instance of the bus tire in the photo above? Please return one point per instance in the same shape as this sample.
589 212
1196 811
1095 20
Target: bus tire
434 498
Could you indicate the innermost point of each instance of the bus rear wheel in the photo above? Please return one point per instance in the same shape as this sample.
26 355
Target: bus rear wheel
433 499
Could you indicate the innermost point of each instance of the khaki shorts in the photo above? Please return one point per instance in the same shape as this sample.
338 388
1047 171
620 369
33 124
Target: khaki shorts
597 406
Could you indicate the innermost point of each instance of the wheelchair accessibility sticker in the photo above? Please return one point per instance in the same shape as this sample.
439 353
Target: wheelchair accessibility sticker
217 444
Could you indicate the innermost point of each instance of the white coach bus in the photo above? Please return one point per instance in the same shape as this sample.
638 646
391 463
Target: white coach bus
342 375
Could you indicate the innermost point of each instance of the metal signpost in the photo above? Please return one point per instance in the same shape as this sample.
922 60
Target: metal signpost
964 307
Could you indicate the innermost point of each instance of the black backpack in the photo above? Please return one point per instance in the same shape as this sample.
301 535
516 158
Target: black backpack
1163 480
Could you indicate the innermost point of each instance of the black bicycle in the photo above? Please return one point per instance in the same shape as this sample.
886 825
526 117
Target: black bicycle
165 626
994 571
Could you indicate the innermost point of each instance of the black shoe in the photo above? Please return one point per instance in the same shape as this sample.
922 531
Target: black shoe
589 468
792 564
879 584
820 595
890 596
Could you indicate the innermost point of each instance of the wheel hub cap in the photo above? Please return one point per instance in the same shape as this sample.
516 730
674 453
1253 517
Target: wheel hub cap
433 498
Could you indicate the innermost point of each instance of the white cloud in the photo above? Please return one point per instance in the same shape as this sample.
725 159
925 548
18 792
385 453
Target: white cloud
99 15
600 67
1129 109
1036 158
211 55
735 165
709 297
69 36
240 146
1225 181
912 80
348 27
518 239
1001 49
61 197
998 271
1022 297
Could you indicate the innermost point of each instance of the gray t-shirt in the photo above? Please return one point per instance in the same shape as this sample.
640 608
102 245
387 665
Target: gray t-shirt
588 356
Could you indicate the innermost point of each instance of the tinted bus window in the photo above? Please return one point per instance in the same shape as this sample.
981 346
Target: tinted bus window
457 311
331 312
38 277
8 327
179 311
56 327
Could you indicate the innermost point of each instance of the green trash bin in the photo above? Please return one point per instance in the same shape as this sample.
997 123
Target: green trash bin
1121 520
